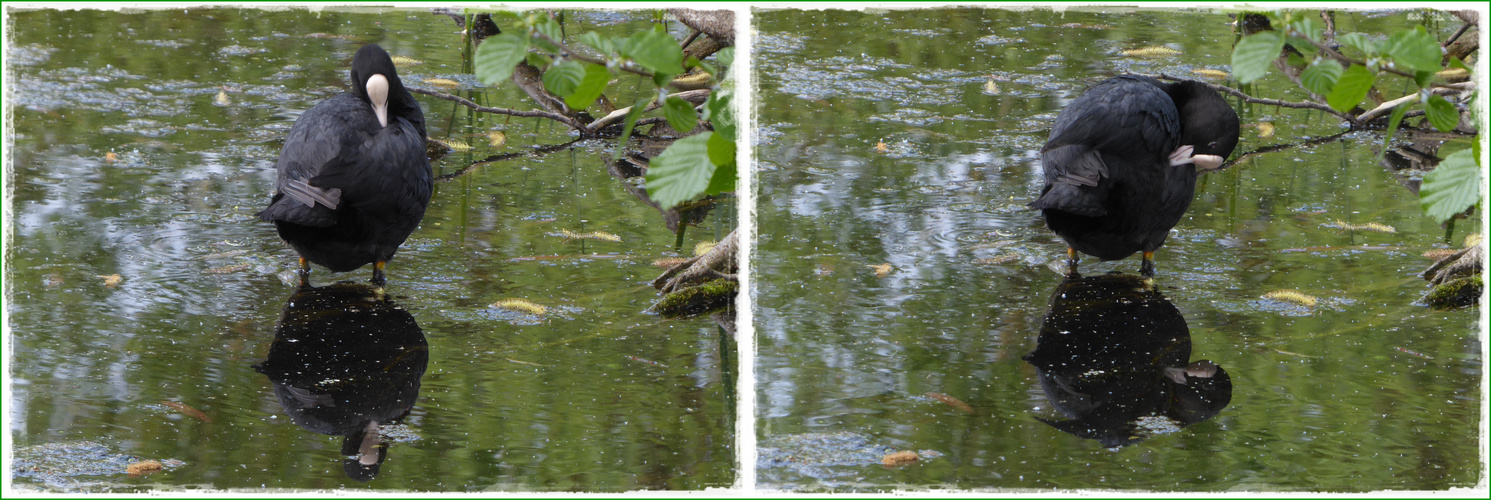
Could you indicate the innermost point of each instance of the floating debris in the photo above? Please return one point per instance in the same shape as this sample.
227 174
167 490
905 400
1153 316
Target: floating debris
442 83
524 362
189 411
401 61
704 247
951 401
111 157
994 261
1291 296
222 99
881 147
229 269
1086 26
1214 74
1413 353
1155 51
110 280
1370 226
593 235
143 468
496 138
564 257
990 87
881 270
899 458
644 360
521 305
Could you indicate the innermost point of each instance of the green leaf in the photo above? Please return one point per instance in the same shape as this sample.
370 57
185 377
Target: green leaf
725 56
1307 27
720 114
680 172
721 150
562 79
1455 62
1452 187
631 122
497 56
599 43
1351 87
724 177
655 51
551 29
591 87
1414 50
1321 76
1253 55
680 114
1360 42
1442 114
1300 44
538 60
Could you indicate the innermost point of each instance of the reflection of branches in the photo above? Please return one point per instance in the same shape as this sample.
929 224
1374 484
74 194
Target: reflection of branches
1279 147
539 151
695 97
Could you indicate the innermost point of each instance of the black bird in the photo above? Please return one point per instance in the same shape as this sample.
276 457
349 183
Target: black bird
1121 163
354 180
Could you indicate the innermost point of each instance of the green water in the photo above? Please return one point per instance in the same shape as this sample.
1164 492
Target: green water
882 143
144 142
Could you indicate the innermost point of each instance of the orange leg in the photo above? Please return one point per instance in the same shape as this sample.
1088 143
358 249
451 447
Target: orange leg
1146 268
305 272
1071 262
378 278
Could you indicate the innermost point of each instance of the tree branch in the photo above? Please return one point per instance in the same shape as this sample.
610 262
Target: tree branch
572 123
694 97
1268 102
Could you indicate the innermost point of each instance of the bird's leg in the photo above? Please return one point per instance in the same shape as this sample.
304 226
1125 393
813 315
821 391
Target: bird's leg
305 272
1146 268
1071 262
378 279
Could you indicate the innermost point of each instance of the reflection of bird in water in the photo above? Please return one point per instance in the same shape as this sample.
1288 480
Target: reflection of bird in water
344 361
354 180
1120 165
1114 356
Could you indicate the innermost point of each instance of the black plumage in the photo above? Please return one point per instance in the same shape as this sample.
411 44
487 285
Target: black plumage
1121 163
354 179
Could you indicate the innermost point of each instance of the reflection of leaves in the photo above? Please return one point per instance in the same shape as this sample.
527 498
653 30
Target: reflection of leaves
1254 53
498 55
1452 186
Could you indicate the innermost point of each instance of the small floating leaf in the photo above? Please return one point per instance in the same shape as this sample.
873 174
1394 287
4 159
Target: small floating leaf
1214 74
497 138
222 98
189 411
990 87
1292 296
110 280
951 401
881 147
1265 129
143 467
881 270
899 458
520 305
1156 51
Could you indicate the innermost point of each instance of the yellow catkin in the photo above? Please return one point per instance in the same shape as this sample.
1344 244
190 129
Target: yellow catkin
405 61
520 305
1152 52
703 247
1293 296
442 83
1211 73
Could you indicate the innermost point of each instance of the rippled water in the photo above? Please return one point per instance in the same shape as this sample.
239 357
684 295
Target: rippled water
143 293
901 278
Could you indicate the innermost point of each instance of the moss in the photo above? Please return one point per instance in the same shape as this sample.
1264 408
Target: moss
698 300
1455 294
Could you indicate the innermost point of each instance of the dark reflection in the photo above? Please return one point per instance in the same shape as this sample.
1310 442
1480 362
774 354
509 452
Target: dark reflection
1114 356
344 361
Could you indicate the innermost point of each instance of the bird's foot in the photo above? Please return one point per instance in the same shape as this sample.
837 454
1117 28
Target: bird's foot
1146 267
378 278
1071 263
1182 156
304 273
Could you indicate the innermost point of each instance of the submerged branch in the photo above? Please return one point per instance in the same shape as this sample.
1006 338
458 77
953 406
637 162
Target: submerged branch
539 151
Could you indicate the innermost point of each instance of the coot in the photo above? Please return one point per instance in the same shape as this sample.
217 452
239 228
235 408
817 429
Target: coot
1121 162
354 180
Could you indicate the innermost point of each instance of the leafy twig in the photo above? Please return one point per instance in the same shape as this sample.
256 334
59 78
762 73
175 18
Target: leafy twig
694 97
